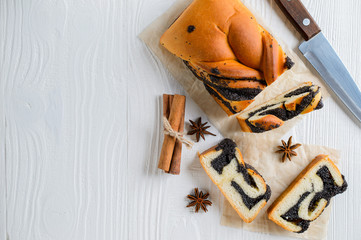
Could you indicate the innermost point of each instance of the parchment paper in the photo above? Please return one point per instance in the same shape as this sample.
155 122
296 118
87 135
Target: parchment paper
257 149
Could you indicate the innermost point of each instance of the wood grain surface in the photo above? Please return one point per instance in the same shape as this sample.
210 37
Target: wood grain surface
81 128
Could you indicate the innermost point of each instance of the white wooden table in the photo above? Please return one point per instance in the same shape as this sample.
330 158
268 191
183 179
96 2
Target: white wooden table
80 124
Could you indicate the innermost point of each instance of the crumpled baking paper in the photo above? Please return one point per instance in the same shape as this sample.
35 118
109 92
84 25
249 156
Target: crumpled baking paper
257 149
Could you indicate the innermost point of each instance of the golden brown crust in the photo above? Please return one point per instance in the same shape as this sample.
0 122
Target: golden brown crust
207 34
250 79
268 122
274 58
230 69
224 39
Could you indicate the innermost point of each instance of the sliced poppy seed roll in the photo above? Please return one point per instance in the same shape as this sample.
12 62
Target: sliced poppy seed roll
273 113
240 183
308 195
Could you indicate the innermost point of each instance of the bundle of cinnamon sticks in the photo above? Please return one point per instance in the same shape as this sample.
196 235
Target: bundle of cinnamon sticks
173 110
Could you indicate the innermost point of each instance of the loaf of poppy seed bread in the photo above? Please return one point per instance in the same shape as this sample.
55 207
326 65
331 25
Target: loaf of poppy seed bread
224 46
308 195
240 183
273 113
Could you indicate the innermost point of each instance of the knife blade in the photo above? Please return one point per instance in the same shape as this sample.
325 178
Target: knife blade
319 52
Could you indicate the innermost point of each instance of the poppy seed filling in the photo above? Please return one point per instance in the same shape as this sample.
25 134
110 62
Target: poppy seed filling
228 154
330 189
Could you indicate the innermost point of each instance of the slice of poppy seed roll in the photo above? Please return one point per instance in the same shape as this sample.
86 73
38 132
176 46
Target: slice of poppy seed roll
308 195
240 183
273 113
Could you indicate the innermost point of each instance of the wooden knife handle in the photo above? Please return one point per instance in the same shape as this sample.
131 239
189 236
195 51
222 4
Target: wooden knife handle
301 19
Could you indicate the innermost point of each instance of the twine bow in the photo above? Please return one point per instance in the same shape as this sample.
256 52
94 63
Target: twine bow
179 136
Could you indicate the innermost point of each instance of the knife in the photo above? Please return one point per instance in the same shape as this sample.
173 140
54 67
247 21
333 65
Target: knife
319 52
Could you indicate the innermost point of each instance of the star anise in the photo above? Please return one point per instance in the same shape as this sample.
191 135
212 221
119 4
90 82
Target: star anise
200 129
199 200
288 149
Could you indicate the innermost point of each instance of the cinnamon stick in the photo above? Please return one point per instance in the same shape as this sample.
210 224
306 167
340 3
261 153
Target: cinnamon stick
175 117
167 104
177 153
